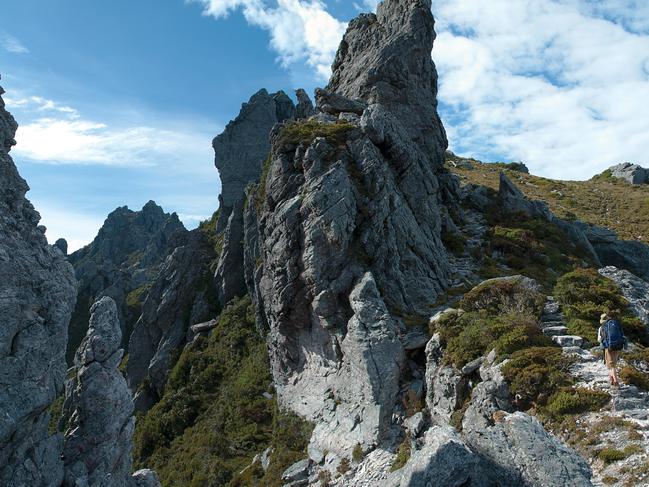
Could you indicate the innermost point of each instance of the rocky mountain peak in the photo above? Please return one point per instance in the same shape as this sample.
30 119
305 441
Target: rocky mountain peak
386 59
243 146
121 262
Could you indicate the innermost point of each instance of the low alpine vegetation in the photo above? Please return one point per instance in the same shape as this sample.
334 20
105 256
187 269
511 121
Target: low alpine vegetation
213 417
585 294
498 314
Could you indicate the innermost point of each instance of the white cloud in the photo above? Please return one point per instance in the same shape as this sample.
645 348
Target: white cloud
55 133
300 30
61 141
559 84
11 44
41 104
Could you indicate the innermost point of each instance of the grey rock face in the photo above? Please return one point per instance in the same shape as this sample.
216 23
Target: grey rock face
99 407
442 460
304 108
62 245
240 152
123 258
243 147
515 449
632 173
181 295
446 387
349 227
385 59
634 289
37 295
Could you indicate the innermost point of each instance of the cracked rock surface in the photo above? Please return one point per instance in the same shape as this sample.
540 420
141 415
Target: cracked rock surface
37 295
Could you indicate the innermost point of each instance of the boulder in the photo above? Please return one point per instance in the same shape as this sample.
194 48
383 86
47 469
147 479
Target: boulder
146 478
631 173
443 459
37 296
334 104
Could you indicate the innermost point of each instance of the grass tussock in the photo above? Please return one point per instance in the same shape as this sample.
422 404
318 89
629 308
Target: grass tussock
306 131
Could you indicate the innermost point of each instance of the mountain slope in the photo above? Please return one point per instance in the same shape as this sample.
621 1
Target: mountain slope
602 200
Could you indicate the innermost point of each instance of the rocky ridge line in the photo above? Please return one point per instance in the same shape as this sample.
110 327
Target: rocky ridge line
37 295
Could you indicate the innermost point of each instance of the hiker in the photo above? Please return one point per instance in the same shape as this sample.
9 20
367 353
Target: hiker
611 338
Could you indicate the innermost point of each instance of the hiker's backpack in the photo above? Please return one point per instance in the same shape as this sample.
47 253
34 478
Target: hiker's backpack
612 335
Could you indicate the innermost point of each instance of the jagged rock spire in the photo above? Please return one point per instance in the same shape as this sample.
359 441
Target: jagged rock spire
386 58
98 409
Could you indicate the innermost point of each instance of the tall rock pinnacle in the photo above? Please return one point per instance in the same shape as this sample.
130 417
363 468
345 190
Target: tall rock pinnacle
37 295
239 155
344 239
386 59
98 407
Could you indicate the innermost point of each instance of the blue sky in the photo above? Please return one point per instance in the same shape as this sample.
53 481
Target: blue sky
118 100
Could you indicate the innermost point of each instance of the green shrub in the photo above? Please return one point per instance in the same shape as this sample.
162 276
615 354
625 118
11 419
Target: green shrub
215 241
631 375
576 401
534 374
585 294
470 335
213 418
503 296
403 454
357 454
454 242
611 455
55 414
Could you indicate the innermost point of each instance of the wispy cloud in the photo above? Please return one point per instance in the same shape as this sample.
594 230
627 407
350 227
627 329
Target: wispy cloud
553 83
55 133
11 44
300 30
41 104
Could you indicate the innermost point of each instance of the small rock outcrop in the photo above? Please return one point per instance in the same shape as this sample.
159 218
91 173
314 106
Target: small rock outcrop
181 295
121 262
634 289
240 152
98 407
344 234
37 295
62 245
631 173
